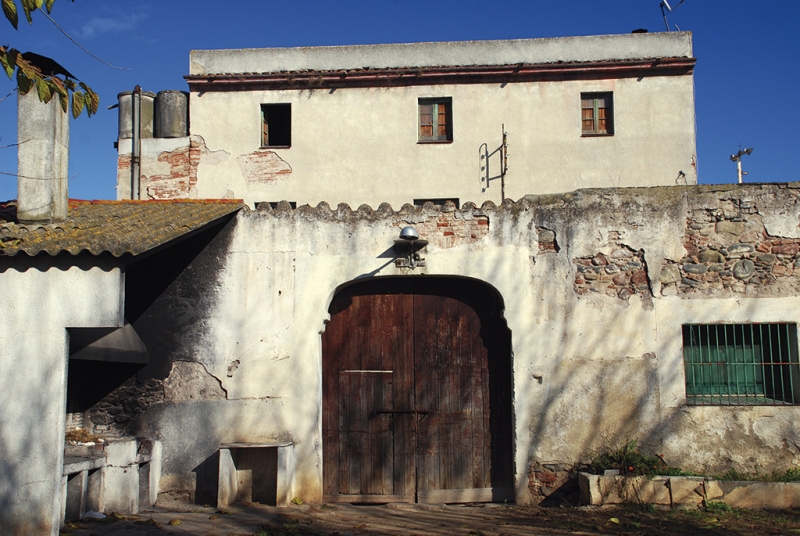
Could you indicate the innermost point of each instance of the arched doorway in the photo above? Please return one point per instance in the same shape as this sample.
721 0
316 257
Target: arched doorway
417 393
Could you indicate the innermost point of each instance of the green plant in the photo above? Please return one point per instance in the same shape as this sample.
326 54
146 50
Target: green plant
628 459
718 507
733 474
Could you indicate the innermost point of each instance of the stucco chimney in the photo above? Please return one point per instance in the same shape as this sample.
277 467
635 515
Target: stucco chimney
42 159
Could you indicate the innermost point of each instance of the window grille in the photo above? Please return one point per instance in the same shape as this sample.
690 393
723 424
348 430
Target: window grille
741 364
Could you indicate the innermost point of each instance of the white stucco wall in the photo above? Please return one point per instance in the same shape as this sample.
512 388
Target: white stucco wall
359 145
42 297
591 371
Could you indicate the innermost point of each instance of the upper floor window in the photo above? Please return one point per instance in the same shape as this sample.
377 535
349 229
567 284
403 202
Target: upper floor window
276 125
597 114
741 364
436 119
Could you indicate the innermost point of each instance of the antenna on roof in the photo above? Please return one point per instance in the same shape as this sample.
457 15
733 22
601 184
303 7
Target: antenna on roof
665 4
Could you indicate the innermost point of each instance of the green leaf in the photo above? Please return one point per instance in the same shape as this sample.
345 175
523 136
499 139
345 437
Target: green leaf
10 11
42 87
92 103
49 5
77 104
64 99
38 4
7 66
23 82
28 6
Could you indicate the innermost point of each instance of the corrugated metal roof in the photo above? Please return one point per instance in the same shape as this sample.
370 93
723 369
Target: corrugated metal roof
116 227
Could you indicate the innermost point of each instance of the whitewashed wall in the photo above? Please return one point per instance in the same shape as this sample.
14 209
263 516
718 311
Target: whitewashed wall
43 297
611 365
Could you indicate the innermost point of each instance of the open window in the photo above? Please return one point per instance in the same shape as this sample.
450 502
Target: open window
276 125
597 114
741 364
436 120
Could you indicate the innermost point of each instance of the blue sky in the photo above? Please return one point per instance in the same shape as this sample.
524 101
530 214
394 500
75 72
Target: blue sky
747 74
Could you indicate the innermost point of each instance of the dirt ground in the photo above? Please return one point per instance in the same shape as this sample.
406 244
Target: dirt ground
425 520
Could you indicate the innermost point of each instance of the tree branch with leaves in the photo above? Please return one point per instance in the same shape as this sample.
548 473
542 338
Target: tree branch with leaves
50 79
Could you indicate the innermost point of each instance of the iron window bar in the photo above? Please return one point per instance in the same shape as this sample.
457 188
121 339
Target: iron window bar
741 364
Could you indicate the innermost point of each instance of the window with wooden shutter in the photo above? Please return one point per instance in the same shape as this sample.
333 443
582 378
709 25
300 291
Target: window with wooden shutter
597 117
435 120
276 125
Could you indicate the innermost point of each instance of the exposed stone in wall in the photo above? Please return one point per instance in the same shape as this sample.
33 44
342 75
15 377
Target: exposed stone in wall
263 166
620 274
729 251
115 414
547 240
545 479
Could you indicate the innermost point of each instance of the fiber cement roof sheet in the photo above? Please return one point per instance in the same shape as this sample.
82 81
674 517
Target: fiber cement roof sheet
116 227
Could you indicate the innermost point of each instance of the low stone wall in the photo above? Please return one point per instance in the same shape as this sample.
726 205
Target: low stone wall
686 491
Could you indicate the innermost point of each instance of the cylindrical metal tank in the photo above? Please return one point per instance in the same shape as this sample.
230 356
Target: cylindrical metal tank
172 114
126 118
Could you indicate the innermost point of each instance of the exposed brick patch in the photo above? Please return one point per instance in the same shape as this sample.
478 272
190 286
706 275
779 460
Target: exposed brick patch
263 166
622 273
728 251
180 179
450 228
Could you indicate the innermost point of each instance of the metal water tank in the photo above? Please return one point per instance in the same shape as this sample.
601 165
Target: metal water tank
126 114
172 114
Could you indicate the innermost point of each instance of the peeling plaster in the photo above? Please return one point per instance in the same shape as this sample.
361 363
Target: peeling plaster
263 166
190 380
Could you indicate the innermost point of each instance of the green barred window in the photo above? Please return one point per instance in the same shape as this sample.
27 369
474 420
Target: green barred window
741 364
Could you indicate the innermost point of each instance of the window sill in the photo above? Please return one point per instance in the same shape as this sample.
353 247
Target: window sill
429 142
275 147
596 134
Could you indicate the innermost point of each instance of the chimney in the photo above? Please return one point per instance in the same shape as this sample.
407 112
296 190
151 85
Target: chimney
42 159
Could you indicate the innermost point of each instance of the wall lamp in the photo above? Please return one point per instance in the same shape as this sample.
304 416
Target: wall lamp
407 247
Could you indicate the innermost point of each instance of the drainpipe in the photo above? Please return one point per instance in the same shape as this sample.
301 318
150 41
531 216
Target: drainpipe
136 141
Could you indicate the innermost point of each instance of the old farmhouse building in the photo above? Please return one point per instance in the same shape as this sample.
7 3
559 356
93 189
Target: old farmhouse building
445 272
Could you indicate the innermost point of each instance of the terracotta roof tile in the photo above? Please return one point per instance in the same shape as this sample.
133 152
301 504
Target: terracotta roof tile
116 227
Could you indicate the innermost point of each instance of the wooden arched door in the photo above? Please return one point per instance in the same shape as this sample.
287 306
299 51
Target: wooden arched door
417 393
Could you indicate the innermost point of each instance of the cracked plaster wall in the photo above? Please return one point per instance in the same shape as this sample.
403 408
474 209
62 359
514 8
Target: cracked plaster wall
593 368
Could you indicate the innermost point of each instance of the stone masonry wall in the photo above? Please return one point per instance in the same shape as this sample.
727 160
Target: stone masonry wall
729 251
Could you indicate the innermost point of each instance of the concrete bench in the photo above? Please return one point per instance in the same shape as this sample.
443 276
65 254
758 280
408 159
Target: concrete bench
80 485
256 472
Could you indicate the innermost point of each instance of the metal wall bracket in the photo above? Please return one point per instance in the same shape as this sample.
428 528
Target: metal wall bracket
408 253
